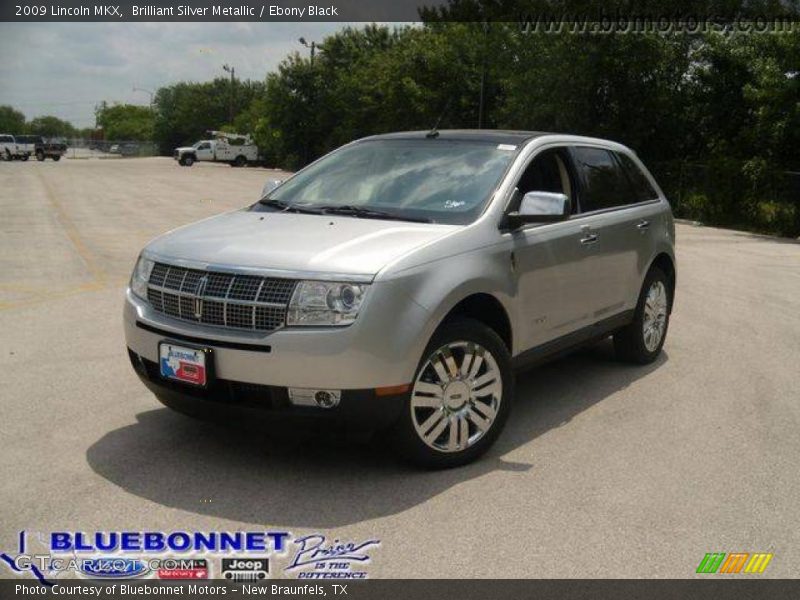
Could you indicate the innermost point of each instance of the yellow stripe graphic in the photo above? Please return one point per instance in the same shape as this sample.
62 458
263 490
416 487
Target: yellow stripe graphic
758 563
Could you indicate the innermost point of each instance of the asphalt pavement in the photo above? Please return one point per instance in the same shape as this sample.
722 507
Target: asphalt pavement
604 470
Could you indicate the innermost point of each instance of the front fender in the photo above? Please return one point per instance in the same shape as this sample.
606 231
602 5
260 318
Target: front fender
441 285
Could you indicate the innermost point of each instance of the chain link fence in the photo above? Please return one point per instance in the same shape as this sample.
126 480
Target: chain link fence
87 148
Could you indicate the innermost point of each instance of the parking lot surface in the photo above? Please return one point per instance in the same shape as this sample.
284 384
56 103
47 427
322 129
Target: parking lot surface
604 470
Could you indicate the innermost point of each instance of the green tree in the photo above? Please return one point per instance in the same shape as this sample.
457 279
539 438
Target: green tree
125 121
186 110
49 126
11 120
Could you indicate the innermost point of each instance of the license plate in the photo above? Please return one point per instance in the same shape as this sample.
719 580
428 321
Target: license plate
183 363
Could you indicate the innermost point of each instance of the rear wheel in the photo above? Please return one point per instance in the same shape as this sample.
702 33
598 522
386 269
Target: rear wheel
460 398
56 157
240 161
642 340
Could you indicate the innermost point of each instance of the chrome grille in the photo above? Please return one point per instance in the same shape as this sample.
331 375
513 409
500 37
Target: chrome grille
226 300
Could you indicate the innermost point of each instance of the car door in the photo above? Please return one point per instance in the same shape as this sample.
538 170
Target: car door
204 151
616 229
548 257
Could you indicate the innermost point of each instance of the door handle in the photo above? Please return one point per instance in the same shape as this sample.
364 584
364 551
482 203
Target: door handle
643 225
589 239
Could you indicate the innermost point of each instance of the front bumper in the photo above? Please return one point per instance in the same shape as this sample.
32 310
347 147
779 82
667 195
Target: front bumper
253 404
382 348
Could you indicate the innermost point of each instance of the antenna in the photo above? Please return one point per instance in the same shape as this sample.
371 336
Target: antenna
433 133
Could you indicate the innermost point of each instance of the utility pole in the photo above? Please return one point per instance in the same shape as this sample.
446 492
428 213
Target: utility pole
312 47
483 74
232 71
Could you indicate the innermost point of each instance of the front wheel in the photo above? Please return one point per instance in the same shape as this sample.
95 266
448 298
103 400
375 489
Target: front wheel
460 398
188 161
642 340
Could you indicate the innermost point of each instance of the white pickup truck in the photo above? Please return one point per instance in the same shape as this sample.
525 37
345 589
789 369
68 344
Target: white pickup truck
234 149
10 149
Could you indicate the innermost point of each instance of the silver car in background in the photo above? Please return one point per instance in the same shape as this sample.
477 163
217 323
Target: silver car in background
398 282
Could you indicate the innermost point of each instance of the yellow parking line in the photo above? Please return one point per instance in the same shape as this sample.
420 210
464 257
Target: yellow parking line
72 232
44 295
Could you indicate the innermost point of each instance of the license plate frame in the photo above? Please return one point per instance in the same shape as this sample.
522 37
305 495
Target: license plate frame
188 364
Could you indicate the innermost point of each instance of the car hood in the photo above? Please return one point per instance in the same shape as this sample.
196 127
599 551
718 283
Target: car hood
313 244
184 148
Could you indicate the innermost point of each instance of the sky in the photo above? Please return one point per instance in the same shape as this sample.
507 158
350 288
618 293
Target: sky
65 69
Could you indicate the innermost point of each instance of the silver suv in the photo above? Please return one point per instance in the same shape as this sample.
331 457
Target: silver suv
398 282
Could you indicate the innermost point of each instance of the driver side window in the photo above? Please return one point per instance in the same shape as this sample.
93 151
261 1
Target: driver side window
547 172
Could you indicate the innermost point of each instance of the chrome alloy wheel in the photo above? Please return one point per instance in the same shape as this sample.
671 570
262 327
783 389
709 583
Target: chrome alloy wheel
655 315
456 396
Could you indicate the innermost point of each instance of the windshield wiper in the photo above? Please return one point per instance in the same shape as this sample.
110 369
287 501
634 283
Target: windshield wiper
285 206
368 213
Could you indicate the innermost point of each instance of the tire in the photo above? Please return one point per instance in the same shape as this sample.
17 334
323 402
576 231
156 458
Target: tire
240 161
39 155
641 341
442 416
56 157
188 161
25 157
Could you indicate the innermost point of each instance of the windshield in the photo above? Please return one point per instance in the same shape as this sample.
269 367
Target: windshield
442 181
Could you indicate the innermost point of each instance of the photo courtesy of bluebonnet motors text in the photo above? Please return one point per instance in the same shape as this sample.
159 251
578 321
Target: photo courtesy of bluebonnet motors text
410 299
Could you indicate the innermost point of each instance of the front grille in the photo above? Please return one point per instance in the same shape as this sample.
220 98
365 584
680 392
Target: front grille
220 299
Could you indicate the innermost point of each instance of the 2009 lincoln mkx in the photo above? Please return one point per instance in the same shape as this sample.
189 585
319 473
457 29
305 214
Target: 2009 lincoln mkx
398 282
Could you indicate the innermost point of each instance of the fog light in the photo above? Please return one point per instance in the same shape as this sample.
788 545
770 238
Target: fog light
326 399
319 398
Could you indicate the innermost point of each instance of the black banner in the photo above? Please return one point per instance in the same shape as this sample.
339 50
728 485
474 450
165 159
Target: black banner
537 11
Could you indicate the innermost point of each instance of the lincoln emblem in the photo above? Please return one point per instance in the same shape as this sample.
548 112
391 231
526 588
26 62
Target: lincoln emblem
198 301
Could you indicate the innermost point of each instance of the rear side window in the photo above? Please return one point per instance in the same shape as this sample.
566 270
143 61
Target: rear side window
642 189
605 184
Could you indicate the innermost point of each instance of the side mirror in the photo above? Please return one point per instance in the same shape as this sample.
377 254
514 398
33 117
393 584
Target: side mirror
269 186
540 207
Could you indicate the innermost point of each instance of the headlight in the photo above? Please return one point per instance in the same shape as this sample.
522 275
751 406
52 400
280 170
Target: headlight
140 277
325 303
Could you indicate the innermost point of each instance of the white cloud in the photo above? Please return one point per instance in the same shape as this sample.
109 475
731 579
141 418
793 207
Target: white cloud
65 69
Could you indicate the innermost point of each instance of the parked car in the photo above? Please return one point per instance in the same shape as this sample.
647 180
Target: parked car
114 149
26 145
11 148
398 283
53 148
128 149
232 148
